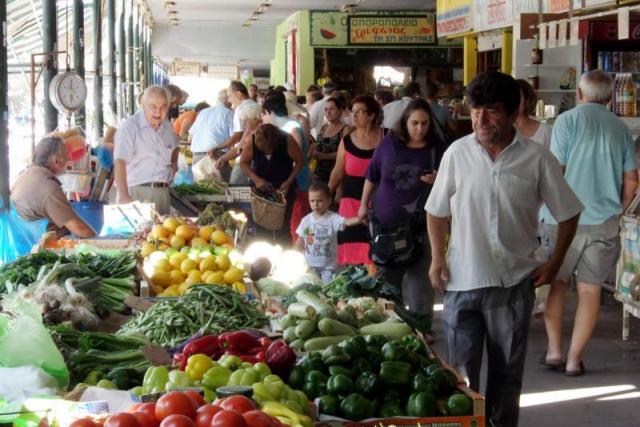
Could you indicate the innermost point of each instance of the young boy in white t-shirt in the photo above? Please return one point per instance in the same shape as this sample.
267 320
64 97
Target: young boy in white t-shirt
318 232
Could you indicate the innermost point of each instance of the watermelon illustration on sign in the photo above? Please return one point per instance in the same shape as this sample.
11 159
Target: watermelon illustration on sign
327 34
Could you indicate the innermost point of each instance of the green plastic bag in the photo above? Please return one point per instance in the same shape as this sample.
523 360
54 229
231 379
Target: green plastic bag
24 341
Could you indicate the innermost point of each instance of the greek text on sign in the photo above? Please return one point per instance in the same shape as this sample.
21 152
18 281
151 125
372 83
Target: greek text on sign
376 30
454 16
493 14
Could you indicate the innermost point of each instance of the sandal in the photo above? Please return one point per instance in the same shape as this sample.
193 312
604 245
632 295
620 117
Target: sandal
551 363
577 373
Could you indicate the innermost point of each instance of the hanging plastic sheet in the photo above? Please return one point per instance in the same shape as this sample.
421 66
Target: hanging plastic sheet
17 236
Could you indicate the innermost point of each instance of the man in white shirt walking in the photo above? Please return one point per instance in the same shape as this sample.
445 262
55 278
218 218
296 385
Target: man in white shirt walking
491 185
392 112
212 128
316 115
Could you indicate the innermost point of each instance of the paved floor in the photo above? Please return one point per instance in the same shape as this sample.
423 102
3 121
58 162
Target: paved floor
608 395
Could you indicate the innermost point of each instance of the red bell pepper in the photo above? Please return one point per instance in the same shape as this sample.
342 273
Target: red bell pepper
208 345
280 358
180 360
239 341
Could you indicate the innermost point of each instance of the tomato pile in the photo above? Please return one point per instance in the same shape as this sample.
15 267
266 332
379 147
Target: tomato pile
188 409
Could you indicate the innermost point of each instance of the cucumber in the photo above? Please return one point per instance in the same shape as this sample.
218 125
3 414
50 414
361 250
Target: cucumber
390 328
286 321
306 328
297 345
374 316
328 313
320 343
300 310
330 327
289 334
347 318
306 297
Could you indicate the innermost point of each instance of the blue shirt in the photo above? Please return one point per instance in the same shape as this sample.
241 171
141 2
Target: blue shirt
146 151
596 149
211 128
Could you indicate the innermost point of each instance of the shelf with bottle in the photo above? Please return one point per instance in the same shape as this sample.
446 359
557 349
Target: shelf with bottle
624 96
548 66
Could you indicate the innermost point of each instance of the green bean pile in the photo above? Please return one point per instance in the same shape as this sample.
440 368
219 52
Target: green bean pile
214 309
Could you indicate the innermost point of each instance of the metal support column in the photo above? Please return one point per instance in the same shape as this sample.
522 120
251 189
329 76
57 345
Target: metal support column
129 42
4 110
98 119
135 37
78 54
49 39
111 54
506 53
122 49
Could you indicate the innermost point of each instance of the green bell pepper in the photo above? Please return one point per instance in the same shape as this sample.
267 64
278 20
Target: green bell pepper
413 343
374 356
215 377
361 365
262 369
394 352
243 376
421 404
337 369
296 377
155 380
261 393
178 379
275 386
314 389
339 385
375 340
293 405
459 405
104 383
420 382
136 391
392 396
329 404
312 362
444 380
395 373
93 377
335 355
356 407
355 346
315 384
390 410
230 362
368 384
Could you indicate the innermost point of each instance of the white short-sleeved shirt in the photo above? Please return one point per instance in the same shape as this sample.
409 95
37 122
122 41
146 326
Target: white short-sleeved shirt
542 135
316 115
320 236
239 115
146 151
211 128
494 209
392 112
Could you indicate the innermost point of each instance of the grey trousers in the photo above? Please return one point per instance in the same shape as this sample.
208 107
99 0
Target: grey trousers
159 196
413 280
499 316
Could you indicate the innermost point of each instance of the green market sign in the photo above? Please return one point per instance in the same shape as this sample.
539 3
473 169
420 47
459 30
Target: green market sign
375 28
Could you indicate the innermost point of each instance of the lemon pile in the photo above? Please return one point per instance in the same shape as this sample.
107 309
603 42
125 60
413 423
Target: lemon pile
182 255
177 233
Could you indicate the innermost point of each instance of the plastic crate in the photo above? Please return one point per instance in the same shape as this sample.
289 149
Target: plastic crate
240 194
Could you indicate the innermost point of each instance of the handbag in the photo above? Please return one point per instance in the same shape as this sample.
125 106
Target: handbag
395 246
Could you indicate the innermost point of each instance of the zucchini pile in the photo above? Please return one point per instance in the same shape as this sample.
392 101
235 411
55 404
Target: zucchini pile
312 324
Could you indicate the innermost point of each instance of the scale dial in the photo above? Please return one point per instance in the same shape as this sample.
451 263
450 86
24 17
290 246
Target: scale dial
68 91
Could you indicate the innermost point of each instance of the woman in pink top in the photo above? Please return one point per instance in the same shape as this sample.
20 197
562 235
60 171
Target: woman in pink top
354 155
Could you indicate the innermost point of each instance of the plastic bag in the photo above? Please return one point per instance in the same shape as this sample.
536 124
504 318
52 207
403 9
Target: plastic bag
24 341
206 167
17 236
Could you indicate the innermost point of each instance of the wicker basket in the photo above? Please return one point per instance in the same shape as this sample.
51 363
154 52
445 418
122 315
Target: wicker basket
266 213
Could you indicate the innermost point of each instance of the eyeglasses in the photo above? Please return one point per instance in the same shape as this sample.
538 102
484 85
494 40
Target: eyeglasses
354 112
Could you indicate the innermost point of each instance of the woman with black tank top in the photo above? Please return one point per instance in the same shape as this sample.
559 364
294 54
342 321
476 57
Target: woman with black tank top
329 137
273 160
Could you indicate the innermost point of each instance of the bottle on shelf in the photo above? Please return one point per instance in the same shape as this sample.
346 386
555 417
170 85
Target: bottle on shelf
630 96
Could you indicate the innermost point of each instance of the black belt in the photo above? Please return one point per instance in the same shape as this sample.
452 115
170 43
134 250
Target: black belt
155 184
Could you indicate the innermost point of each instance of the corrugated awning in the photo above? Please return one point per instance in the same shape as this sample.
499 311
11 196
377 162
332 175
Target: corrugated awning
24 28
